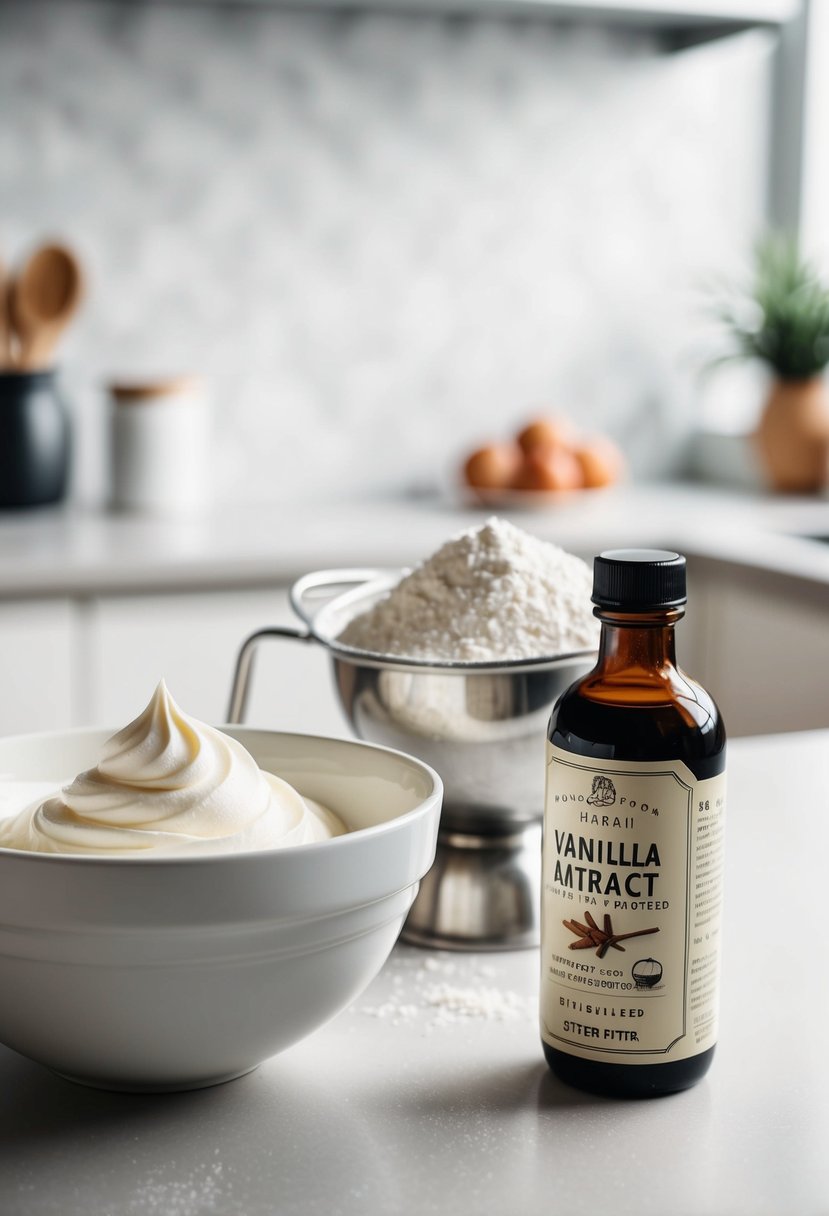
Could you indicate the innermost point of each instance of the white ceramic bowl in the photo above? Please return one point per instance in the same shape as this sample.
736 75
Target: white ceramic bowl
152 974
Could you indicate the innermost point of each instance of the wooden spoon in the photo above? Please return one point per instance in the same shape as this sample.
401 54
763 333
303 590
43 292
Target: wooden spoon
45 296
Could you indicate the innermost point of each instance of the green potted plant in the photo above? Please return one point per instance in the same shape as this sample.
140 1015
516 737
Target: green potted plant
783 320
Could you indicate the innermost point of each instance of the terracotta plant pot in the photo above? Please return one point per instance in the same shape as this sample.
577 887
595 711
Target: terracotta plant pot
793 435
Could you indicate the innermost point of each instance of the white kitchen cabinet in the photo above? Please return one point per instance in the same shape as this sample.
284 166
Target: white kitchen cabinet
764 651
38 650
192 641
758 641
698 627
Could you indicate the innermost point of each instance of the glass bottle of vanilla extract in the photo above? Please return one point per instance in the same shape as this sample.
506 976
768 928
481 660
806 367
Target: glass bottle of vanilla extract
632 853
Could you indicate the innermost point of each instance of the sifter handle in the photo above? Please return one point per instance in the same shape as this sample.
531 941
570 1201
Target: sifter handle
323 585
244 666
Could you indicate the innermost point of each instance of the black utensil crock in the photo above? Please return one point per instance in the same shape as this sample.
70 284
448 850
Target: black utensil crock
34 439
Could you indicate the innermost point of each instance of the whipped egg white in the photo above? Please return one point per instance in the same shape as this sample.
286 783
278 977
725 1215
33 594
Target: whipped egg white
168 784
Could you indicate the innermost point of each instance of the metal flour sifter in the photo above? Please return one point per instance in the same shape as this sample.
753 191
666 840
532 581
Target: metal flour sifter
481 725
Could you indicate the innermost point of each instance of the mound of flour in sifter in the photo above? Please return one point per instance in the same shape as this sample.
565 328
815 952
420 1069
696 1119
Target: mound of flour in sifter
491 593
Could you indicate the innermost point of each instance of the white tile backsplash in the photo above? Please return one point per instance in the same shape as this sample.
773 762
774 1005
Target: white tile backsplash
381 237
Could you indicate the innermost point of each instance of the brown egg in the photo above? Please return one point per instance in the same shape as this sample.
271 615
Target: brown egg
493 467
547 433
550 468
600 460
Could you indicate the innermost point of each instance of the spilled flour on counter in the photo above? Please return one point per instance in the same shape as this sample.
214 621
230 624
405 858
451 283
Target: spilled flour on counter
491 593
199 1191
448 993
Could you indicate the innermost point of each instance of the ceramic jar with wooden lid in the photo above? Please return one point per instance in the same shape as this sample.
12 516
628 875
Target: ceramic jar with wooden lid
159 445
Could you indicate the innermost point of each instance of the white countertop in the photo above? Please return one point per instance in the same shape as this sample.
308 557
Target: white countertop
390 1112
70 552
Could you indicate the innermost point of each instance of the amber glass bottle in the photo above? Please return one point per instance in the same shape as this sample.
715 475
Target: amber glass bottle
632 855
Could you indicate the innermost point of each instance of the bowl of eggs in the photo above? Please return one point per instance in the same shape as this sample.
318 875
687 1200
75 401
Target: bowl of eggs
196 900
544 461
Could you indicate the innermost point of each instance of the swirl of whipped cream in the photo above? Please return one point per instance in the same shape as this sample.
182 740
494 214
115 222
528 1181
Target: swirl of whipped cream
168 784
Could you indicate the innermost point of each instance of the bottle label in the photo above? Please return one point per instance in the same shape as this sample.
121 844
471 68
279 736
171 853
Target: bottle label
631 903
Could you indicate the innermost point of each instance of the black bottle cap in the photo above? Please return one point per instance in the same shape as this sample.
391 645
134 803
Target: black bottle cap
636 580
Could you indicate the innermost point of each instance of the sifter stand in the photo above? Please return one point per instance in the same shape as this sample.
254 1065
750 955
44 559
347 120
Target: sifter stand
483 891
